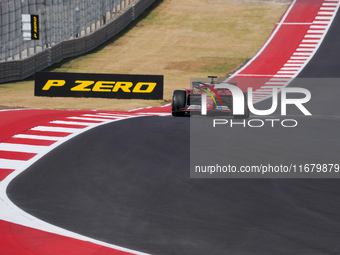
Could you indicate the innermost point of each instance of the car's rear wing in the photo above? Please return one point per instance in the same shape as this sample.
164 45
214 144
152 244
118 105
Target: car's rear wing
198 87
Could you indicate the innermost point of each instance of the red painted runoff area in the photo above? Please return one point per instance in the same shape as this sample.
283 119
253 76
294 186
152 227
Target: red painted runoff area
17 239
16 121
278 52
285 40
308 9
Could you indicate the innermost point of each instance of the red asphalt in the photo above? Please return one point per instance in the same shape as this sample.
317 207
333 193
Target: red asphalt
17 121
281 47
17 239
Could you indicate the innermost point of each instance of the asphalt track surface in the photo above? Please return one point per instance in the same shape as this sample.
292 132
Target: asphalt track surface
128 183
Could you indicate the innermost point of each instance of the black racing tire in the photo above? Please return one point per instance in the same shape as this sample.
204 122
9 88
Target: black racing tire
246 110
178 102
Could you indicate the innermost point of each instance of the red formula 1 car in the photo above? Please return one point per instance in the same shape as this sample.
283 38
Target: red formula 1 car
218 102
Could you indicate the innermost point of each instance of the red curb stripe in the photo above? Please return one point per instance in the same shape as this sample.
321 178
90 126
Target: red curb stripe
30 141
16 155
4 173
65 125
46 133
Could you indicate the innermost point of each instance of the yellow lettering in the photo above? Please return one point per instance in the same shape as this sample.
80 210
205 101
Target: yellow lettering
53 83
150 87
102 86
35 25
123 85
83 86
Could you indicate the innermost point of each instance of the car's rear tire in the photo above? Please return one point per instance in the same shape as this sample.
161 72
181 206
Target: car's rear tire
178 102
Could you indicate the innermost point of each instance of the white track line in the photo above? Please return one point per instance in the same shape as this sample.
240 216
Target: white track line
72 123
56 129
22 148
38 137
11 164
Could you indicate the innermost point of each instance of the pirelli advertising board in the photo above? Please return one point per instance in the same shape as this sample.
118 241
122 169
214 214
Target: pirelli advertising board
121 86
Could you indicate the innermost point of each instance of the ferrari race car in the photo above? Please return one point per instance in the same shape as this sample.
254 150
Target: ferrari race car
219 101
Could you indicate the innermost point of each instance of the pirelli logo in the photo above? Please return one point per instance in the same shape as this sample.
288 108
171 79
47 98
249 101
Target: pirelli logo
35 27
99 85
